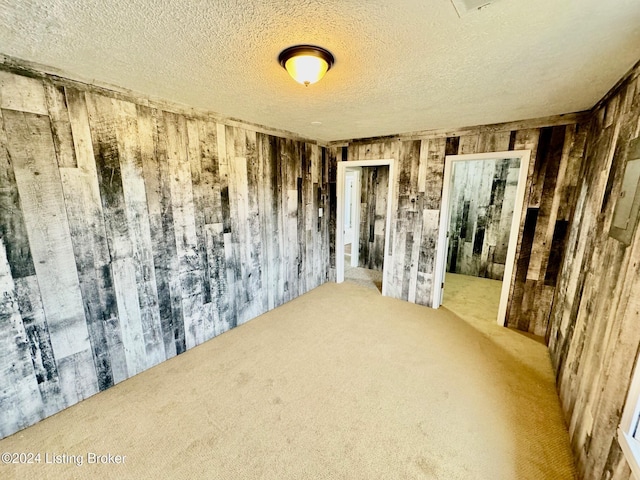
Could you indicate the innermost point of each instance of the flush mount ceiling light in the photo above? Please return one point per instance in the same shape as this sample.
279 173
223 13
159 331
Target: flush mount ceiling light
306 63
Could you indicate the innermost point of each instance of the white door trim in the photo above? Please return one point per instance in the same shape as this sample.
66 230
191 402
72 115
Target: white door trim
348 209
355 215
445 214
342 166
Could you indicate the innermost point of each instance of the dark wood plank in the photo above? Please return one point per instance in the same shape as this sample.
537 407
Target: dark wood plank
21 401
12 228
35 326
153 150
60 125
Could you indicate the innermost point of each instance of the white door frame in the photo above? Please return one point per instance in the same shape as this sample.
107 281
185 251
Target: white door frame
445 216
355 214
342 166
348 208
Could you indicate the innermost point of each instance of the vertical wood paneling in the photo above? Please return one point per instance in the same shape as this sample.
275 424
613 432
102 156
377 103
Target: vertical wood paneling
60 125
12 228
37 331
593 333
332 157
153 151
20 399
417 196
30 145
108 150
139 228
203 197
239 205
129 234
373 205
227 238
84 210
482 200
434 171
184 223
257 303
22 94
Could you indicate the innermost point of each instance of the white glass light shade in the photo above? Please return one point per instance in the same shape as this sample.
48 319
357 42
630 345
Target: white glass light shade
306 63
306 69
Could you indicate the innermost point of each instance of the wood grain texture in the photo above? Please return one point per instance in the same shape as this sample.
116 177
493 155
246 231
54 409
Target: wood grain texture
60 125
482 201
373 206
593 333
153 150
20 399
35 325
22 94
129 234
417 194
12 227
30 145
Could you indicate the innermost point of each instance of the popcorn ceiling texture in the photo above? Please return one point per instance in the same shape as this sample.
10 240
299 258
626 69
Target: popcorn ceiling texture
401 66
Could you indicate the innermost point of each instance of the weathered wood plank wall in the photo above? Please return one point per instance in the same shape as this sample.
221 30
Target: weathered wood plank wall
373 215
129 234
593 334
556 153
483 196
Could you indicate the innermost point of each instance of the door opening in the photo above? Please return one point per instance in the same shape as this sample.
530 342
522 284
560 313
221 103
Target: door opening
481 211
363 217
352 191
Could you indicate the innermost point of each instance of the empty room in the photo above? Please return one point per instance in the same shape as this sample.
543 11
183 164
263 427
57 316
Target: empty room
320 239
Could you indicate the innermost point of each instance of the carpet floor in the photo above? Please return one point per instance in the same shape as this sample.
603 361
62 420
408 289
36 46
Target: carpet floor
363 277
340 383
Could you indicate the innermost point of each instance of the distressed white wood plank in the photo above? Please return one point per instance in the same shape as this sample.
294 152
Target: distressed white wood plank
468 144
81 132
266 213
124 283
22 94
77 376
257 299
89 237
232 279
184 223
60 126
203 194
292 242
238 196
422 168
35 325
218 280
151 128
20 399
424 289
279 207
136 211
119 166
415 257
31 148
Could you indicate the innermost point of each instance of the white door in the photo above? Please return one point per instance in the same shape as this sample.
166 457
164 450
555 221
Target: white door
349 183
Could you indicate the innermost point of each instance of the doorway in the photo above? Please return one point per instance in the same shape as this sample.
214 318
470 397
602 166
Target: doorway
363 220
352 201
480 216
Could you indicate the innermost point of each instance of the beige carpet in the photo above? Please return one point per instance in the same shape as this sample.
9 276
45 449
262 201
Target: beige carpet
472 298
363 277
340 383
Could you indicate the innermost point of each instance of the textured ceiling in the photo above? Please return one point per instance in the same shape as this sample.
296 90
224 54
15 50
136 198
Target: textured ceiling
401 66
